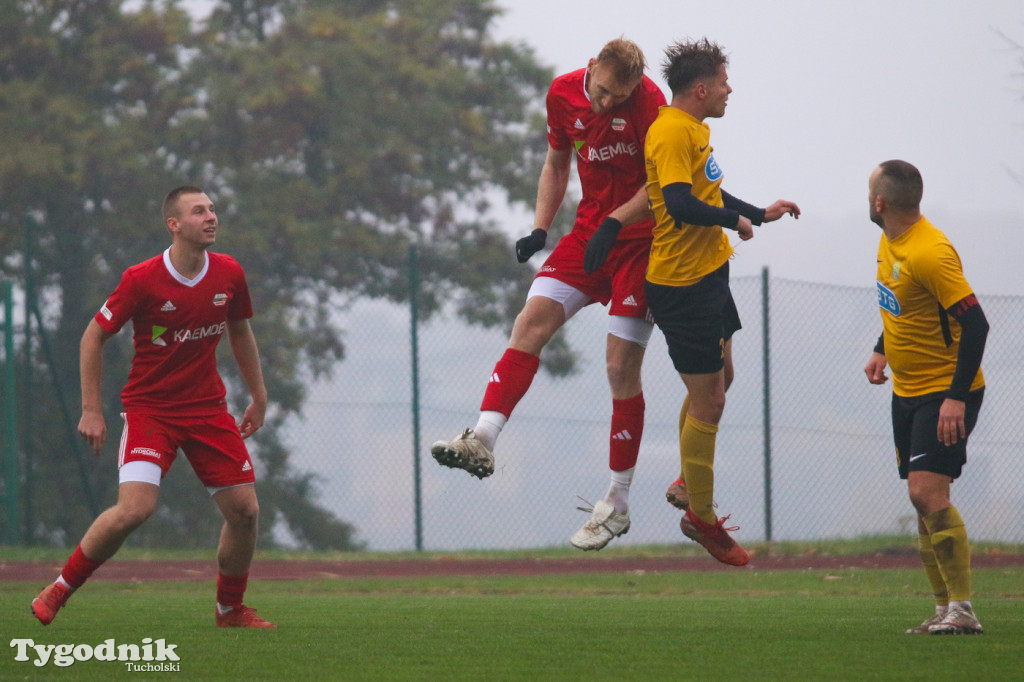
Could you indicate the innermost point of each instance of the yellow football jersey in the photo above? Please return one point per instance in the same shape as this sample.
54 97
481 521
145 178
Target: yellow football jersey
678 149
919 277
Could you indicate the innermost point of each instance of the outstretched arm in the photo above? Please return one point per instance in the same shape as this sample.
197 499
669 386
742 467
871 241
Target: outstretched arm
684 207
247 355
781 208
760 215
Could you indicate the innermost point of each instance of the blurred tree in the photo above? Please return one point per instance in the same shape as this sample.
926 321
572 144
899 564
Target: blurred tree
366 127
85 96
332 134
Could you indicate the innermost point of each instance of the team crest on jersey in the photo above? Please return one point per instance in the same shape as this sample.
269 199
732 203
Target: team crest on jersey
220 299
711 169
618 124
896 271
158 332
887 299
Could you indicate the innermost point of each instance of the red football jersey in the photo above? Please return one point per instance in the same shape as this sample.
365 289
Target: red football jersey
609 147
177 325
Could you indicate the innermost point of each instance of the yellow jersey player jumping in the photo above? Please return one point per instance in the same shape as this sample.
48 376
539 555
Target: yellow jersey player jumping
688 273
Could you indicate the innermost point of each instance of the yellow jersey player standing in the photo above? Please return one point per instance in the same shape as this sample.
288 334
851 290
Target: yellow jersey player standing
933 338
688 274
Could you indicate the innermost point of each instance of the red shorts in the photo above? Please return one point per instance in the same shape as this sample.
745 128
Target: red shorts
620 280
212 445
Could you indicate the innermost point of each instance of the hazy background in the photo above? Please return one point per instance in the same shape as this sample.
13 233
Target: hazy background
823 91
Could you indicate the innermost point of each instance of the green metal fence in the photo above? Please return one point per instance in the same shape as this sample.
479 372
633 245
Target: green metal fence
804 451
8 403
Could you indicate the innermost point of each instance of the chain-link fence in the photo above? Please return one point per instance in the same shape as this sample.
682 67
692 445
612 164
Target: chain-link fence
832 470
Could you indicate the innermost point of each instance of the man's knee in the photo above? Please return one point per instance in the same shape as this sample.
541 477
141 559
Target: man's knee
624 371
708 406
133 513
624 358
926 502
926 497
713 407
136 502
243 511
621 374
535 326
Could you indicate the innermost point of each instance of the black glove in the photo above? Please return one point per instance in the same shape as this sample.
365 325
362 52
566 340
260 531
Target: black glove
527 246
600 244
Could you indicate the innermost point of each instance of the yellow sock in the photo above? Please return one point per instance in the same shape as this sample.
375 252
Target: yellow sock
682 421
949 542
931 569
697 445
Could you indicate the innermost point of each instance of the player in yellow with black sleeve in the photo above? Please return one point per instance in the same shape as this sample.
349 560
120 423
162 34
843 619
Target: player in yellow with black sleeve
933 339
687 285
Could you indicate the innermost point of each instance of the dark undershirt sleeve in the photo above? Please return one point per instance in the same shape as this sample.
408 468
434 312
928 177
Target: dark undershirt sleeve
686 208
752 213
973 334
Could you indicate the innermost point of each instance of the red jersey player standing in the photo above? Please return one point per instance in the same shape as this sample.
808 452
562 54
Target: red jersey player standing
600 115
180 304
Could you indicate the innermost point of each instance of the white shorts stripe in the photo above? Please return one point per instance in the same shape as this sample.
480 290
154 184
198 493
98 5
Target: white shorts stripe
124 439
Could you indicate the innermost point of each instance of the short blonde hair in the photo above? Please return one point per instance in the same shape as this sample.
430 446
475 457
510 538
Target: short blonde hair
625 59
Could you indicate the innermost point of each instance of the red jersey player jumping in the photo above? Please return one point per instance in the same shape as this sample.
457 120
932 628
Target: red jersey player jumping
180 304
600 115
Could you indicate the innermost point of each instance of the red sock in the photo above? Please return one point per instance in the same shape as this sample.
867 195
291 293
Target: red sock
509 382
231 589
78 568
627 429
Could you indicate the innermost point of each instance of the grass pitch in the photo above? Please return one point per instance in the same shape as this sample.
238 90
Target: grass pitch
743 625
